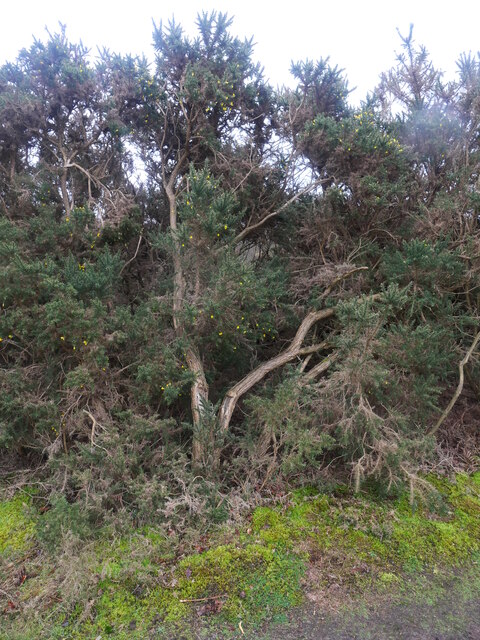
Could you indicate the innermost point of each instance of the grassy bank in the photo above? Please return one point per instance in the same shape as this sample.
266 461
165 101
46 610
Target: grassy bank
314 547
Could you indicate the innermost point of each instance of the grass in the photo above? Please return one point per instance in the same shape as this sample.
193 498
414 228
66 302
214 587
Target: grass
144 586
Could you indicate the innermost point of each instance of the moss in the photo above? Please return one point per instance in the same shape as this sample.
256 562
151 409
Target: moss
379 535
251 582
255 574
286 526
17 526
140 587
247 583
365 537
388 579
272 527
425 539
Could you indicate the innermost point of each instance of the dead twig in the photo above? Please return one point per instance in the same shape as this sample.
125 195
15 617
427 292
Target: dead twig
340 278
92 433
223 595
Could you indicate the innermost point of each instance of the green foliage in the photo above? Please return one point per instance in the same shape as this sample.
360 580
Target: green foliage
95 280
290 439
166 229
165 232
427 266
62 518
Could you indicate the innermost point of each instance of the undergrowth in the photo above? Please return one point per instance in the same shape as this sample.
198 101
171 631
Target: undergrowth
146 584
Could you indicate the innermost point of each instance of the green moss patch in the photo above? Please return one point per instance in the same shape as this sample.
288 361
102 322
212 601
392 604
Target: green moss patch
17 527
232 583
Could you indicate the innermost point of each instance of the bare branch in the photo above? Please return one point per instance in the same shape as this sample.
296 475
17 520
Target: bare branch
459 389
312 348
134 255
320 368
275 213
238 390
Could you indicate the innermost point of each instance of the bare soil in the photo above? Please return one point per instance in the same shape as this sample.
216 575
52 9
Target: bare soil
446 609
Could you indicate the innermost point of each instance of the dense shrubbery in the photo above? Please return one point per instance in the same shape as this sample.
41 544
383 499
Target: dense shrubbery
312 264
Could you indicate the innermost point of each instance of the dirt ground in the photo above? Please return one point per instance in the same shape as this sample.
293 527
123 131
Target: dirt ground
446 610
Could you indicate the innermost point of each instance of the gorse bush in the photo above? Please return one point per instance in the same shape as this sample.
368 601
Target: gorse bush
291 287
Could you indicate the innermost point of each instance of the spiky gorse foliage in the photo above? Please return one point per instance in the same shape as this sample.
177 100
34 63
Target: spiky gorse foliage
178 239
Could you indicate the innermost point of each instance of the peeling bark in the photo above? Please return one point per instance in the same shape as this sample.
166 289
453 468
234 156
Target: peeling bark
199 400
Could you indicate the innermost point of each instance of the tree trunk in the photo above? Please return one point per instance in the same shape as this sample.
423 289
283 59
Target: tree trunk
202 441
13 157
63 187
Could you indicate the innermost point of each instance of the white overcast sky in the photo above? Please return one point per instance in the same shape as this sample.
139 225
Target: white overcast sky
359 36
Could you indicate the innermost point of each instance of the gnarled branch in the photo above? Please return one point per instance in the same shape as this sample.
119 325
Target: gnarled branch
458 391
293 350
